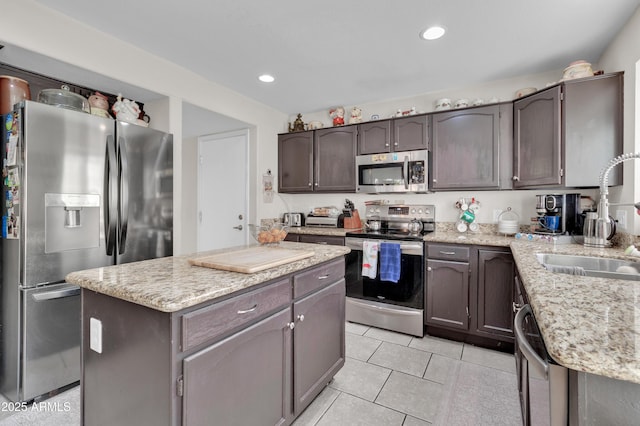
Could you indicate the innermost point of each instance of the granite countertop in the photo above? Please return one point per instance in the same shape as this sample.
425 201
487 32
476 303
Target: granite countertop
588 324
171 284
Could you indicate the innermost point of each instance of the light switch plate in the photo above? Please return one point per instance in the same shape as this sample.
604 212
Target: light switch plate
95 335
621 218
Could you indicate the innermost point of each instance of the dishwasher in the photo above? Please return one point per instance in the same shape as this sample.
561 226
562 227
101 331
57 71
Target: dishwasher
543 384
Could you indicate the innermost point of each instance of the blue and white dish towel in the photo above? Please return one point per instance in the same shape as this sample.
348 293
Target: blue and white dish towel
369 259
390 262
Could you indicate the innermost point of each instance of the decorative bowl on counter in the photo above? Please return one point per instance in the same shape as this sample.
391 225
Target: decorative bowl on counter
269 234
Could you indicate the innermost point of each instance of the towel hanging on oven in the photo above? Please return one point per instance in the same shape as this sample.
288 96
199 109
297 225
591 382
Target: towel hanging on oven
390 254
369 259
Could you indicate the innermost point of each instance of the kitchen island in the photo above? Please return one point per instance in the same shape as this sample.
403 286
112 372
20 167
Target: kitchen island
168 343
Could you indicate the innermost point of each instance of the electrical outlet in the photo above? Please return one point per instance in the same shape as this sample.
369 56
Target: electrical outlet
496 215
95 335
621 219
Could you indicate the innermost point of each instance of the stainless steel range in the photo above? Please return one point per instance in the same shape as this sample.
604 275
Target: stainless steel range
372 298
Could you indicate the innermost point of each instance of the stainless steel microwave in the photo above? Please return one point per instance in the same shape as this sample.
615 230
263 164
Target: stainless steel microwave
392 172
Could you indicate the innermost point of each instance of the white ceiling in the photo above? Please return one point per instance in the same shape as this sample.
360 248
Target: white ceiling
328 52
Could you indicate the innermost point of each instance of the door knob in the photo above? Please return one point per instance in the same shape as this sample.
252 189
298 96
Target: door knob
239 227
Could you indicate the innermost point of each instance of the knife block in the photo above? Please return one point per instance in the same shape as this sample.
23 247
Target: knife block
353 222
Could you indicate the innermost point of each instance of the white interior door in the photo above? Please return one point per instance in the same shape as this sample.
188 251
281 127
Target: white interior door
223 163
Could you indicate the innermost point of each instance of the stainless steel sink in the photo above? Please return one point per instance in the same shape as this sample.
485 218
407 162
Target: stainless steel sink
590 266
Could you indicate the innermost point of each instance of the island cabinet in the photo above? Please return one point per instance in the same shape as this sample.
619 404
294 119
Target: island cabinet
254 358
472 148
469 293
317 161
398 134
566 134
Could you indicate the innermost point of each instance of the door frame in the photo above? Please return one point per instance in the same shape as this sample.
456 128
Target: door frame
223 135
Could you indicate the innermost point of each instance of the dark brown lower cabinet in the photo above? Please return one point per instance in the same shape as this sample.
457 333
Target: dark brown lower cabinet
318 342
469 294
496 273
242 380
258 357
447 294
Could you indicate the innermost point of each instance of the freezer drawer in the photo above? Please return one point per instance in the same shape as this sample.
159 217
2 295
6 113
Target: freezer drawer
51 320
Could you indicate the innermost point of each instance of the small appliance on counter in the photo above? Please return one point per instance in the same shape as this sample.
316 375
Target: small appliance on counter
293 219
329 217
558 214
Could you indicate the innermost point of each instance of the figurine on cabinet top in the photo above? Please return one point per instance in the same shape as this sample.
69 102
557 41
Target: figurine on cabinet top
356 116
298 125
338 115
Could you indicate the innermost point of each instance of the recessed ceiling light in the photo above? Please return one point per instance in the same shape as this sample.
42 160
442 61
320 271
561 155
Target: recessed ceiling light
266 78
432 33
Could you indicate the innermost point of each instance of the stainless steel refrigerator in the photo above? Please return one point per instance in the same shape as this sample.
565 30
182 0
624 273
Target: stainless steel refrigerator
79 192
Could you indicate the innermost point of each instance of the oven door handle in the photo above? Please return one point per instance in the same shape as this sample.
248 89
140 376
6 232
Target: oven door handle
406 172
541 367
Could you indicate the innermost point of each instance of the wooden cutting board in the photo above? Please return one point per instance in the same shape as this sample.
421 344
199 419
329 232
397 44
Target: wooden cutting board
251 259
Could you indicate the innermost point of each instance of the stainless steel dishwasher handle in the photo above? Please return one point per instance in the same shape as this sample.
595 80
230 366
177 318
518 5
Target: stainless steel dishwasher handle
540 365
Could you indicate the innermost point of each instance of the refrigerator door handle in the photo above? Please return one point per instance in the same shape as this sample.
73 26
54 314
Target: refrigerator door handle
123 201
110 200
71 290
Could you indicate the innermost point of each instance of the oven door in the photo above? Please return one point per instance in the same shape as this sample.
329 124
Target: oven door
407 292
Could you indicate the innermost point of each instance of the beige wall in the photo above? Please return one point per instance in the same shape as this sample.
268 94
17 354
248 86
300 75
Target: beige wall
75 43
624 54
49 33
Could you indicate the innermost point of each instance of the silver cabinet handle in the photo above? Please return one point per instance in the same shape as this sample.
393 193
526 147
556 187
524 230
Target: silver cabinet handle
429 269
515 178
451 253
246 311
239 227
291 325
301 317
323 277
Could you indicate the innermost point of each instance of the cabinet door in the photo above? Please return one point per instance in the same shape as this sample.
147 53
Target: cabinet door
242 380
536 132
295 162
374 137
335 159
318 342
466 149
410 133
593 128
495 293
447 294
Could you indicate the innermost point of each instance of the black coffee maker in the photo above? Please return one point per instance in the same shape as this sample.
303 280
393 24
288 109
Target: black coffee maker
559 214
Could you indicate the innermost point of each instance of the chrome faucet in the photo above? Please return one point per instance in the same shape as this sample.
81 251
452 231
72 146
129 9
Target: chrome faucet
600 233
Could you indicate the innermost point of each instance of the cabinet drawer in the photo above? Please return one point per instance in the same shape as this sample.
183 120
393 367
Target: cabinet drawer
321 239
317 278
445 252
211 321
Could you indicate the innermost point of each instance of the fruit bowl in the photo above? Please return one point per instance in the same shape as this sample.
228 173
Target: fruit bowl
268 235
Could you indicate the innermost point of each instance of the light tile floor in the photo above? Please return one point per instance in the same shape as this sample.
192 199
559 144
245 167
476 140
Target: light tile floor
394 379
388 379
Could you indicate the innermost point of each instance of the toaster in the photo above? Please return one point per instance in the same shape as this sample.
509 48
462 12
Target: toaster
293 219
